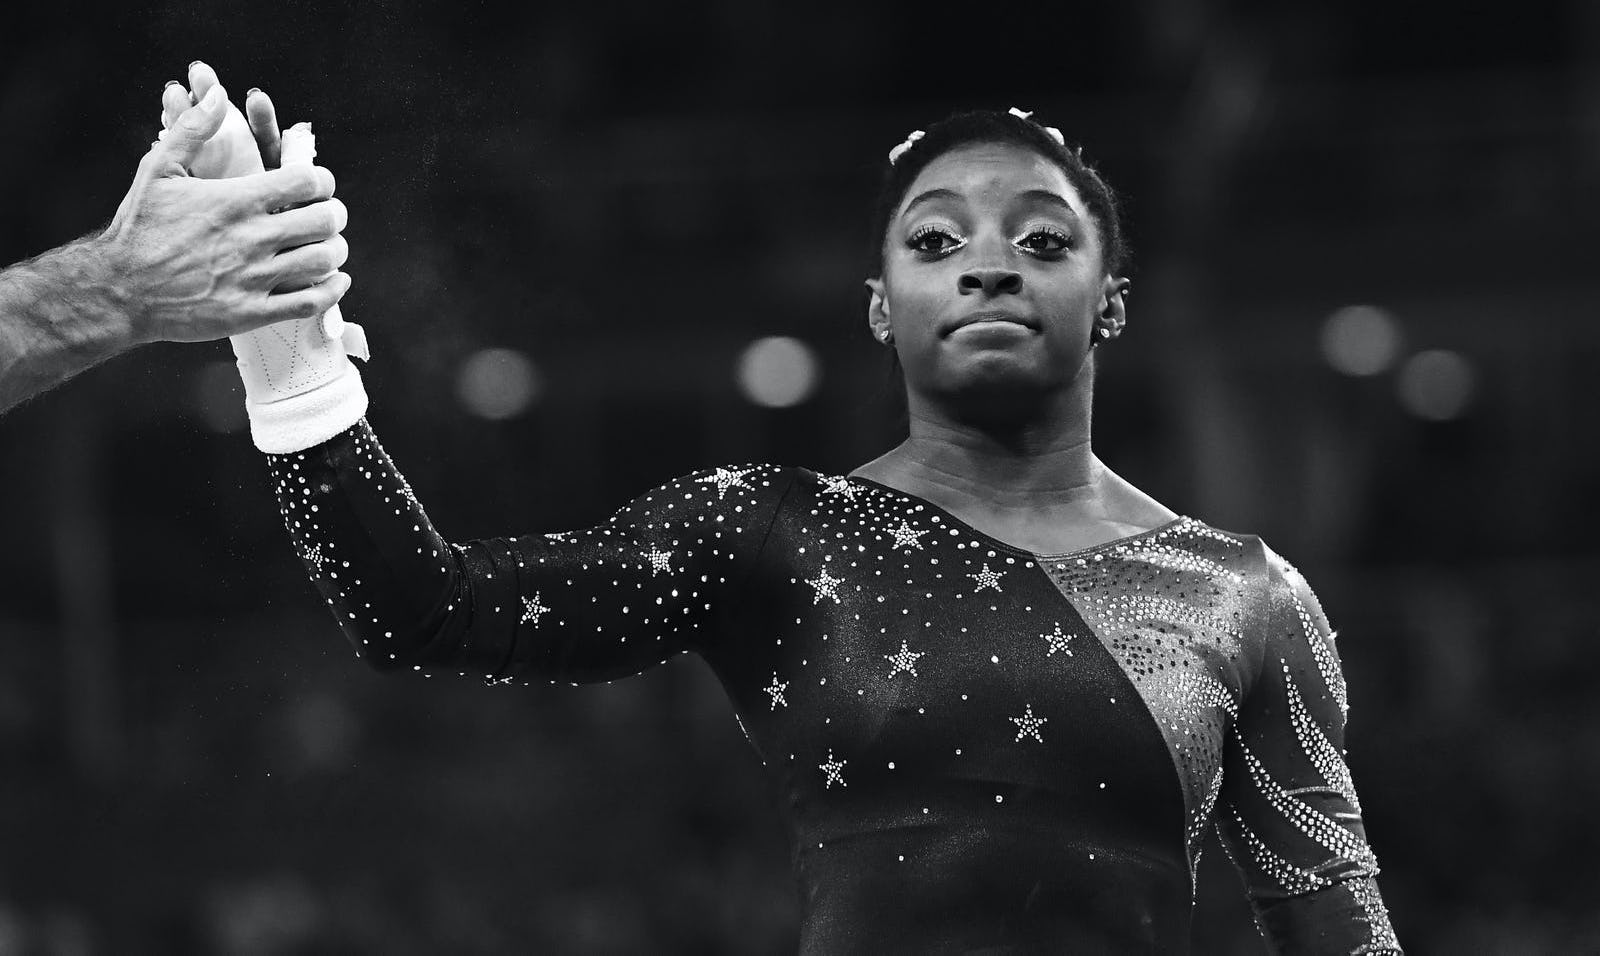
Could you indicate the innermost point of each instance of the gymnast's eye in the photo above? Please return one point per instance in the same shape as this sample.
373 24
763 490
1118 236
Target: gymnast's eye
934 241
1045 240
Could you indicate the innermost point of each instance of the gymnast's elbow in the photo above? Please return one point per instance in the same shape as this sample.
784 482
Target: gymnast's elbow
422 635
390 650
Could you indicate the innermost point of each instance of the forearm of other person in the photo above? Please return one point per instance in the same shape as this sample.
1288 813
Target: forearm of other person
59 314
185 259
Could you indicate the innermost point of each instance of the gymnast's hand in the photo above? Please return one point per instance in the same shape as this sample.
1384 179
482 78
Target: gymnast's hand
299 384
192 261
241 147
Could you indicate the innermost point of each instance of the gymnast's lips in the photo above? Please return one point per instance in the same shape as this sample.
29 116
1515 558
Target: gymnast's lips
992 315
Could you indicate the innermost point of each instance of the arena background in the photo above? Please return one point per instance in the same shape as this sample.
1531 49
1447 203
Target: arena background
600 245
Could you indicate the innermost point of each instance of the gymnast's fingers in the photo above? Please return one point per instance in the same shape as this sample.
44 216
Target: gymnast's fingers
174 100
201 79
264 124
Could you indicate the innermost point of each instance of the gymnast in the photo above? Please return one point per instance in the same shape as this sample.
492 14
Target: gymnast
1003 692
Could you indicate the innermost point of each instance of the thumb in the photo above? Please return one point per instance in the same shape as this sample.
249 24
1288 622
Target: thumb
183 141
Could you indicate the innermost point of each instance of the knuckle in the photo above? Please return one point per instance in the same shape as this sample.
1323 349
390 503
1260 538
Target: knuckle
303 182
327 222
286 187
325 180
340 215
186 127
263 279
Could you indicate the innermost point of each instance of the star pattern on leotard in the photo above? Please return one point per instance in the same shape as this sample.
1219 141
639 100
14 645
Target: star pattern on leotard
659 560
1028 725
776 689
1059 641
532 609
840 486
688 567
826 585
906 536
834 769
904 660
986 578
725 478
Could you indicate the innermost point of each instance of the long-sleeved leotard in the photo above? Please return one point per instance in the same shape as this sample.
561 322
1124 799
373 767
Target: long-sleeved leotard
980 748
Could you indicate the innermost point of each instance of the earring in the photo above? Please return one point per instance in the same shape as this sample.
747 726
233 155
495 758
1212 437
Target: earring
886 336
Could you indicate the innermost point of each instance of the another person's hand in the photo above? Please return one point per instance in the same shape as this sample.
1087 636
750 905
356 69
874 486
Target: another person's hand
300 386
198 259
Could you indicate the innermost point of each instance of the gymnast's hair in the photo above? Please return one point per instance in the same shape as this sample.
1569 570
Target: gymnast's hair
992 126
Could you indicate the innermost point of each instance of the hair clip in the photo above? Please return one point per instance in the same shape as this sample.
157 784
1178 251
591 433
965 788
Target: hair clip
898 151
1055 134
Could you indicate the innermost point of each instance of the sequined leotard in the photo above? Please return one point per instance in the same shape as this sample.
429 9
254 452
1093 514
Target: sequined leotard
981 749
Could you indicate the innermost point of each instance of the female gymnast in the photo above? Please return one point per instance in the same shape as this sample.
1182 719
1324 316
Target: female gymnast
1004 692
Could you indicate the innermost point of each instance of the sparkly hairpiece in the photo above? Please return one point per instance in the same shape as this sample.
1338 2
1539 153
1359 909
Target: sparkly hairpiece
916 134
898 151
1055 134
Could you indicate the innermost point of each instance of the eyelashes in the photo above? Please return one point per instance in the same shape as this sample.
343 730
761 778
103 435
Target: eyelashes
935 241
1054 240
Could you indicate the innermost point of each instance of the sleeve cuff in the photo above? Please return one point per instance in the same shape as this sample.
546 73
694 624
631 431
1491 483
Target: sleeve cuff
310 418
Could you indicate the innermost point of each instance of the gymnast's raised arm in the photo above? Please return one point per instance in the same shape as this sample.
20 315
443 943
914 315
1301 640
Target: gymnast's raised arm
660 577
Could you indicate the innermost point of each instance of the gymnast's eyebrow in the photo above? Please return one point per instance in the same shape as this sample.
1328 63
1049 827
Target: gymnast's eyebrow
1040 195
1051 198
931 195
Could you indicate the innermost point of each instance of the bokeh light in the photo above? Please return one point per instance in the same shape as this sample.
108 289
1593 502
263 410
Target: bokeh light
497 383
1361 340
1437 384
778 371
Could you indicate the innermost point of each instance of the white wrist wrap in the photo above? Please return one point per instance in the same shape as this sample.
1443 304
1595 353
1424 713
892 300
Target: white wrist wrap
300 386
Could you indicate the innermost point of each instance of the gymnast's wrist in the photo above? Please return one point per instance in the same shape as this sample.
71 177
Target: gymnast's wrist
301 388
292 423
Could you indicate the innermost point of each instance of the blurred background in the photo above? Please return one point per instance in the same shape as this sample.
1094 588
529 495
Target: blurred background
600 245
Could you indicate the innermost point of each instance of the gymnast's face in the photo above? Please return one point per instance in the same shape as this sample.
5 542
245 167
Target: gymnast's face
992 277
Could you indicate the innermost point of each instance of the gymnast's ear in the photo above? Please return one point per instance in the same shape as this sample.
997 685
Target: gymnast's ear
1114 300
877 309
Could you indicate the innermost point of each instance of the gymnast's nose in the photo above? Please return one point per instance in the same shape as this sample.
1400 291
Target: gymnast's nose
990 282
